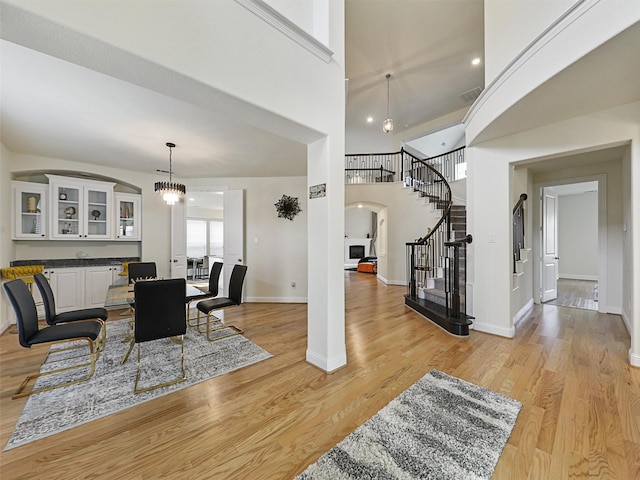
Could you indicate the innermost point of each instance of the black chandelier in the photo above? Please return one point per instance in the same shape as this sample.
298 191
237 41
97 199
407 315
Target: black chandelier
171 192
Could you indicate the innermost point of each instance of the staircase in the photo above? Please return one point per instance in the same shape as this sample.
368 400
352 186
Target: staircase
436 263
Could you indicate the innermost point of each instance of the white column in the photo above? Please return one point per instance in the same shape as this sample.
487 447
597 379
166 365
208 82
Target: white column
326 348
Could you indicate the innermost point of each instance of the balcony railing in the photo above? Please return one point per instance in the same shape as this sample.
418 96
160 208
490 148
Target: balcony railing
400 166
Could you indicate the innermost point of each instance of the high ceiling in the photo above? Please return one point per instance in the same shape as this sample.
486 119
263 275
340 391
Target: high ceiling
55 108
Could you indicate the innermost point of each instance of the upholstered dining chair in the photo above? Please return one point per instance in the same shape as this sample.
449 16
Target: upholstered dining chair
138 270
30 334
234 298
211 290
160 313
98 314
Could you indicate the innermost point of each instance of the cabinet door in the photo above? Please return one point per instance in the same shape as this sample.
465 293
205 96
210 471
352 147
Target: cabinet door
97 212
128 214
67 285
97 281
66 211
30 210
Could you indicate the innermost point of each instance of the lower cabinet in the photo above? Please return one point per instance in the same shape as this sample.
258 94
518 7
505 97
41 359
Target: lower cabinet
68 287
80 287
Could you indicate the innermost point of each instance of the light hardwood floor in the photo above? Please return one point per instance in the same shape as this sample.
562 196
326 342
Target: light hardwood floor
569 368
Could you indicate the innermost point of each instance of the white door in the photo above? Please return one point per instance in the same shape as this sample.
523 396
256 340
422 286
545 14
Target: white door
233 248
179 240
549 244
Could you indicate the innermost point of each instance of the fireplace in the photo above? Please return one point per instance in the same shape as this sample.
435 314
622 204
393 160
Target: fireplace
356 251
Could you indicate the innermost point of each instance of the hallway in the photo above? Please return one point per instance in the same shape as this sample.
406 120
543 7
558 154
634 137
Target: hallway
576 294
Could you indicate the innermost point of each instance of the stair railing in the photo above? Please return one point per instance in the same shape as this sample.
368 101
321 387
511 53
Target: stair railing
518 229
372 168
426 255
452 279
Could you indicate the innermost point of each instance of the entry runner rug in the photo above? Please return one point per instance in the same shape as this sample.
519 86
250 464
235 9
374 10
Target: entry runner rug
111 388
439 428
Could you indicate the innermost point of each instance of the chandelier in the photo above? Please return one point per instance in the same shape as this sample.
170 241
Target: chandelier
387 125
171 192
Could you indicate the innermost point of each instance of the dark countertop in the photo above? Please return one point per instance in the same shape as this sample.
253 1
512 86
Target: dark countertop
75 262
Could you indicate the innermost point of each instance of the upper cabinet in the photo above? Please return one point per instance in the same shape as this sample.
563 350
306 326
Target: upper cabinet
80 208
127 213
71 208
30 212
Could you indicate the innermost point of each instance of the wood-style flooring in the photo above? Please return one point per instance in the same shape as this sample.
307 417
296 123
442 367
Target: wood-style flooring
576 294
569 368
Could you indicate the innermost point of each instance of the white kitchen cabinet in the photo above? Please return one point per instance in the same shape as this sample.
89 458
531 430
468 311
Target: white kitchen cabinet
97 281
30 212
68 287
80 209
127 213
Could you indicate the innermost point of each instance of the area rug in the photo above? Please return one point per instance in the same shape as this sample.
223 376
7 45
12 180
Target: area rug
439 428
111 388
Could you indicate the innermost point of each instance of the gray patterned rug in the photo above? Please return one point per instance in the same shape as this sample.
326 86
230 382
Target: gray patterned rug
439 428
111 388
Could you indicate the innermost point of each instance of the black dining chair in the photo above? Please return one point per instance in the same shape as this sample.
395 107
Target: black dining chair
30 334
210 291
160 313
98 314
234 298
142 270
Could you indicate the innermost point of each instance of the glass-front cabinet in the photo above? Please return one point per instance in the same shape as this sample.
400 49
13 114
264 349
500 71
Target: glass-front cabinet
127 212
30 210
81 209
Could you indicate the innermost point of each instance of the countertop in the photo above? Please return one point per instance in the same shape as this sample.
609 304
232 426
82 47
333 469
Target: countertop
75 262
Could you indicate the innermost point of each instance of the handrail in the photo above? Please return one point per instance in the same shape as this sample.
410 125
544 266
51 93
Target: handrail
521 200
447 209
518 229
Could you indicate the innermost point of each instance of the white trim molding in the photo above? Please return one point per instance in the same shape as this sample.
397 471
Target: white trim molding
287 27
634 359
326 364
488 328
522 312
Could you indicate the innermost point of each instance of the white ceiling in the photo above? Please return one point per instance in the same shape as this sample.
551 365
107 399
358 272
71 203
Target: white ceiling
54 108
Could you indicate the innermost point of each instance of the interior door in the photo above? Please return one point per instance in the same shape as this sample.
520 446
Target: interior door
549 244
179 240
233 204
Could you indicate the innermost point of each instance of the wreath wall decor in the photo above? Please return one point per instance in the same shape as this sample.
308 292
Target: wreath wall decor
287 207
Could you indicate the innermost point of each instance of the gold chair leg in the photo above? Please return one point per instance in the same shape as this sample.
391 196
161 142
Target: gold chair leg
137 390
20 393
236 330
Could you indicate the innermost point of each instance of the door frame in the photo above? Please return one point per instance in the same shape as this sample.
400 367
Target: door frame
602 234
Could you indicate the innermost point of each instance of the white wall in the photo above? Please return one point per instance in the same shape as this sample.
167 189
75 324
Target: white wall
489 205
357 222
578 236
404 218
521 21
266 79
275 248
6 245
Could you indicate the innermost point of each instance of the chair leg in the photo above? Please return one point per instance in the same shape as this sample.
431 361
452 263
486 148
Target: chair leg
137 390
20 393
100 345
234 330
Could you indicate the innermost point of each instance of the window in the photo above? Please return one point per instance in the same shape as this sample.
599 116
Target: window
196 238
205 237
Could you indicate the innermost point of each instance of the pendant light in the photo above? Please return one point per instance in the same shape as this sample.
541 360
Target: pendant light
171 192
387 125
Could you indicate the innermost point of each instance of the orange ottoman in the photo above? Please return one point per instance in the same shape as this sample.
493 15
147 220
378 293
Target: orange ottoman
368 267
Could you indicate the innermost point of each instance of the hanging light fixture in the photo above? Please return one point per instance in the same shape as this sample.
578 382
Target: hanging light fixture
387 125
171 192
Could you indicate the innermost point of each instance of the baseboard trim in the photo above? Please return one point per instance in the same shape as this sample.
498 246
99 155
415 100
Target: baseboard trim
522 312
634 359
614 310
323 363
591 278
276 300
492 329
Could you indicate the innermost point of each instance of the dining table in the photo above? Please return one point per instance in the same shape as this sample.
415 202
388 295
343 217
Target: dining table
119 295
